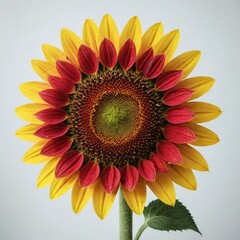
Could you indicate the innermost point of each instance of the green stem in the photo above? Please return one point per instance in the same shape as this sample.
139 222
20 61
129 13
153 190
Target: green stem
140 231
125 219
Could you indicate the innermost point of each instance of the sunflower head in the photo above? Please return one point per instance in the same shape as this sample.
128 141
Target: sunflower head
116 111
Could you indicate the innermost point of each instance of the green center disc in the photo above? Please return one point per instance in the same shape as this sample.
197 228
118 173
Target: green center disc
116 116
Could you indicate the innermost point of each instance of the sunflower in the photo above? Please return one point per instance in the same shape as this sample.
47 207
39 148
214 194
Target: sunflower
115 111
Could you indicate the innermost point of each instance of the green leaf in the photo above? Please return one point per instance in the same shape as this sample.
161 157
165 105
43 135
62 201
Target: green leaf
163 217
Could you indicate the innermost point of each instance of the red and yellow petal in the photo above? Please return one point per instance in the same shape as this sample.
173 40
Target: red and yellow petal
136 199
168 44
107 53
59 186
200 85
178 133
56 146
151 37
27 112
108 29
110 177
81 196
182 176
27 133
90 34
127 55
168 80
133 31
87 59
163 188
204 112
102 200
31 90
51 131
71 43
51 115
205 136
47 174
169 152
176 96
89 173
44 69
192 159
179 115
69 163
185 62
53 54
34 156
129 177
54 97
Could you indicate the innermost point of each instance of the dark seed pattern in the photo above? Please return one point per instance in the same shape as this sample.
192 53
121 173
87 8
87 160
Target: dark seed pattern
117 151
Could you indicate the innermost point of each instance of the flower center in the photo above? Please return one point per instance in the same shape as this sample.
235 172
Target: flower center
115 117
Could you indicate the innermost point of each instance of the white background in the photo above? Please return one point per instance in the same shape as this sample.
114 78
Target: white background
27 213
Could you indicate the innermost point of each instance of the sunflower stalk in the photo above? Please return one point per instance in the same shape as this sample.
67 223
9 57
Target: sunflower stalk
125 219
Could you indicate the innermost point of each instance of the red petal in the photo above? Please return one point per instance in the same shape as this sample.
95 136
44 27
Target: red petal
68 70
87 59
62 84
147 170
127 54
178 134
154 67
89 174
168 80
56 146
69 163
54 97
51 115
159 164
107 53
169 152
110 177
179 115
129 177
143 59
177 96
52 131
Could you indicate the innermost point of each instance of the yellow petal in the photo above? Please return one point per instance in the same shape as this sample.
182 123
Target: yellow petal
132 30
168 44
182 176
108 29
186 62
43 69
205 137
27 111
47 174
192 159
163 188
200 85
27 133
90 34
81 196
204 111
71 43
52 54
136 199
151 37
31 90
33 156
102 201
61 185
